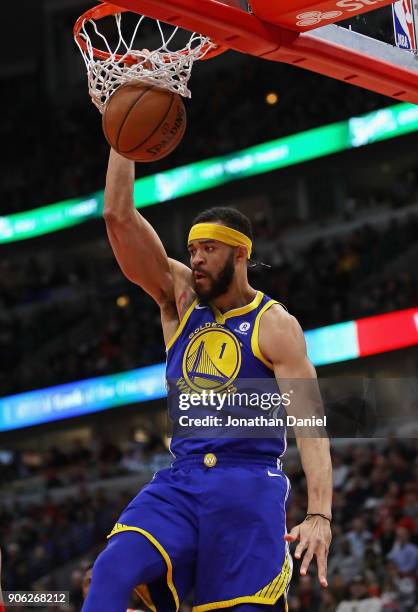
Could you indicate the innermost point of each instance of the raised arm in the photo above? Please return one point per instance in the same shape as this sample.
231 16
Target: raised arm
282 342
136 245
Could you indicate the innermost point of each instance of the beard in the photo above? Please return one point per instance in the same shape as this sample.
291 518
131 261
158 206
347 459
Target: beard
217 285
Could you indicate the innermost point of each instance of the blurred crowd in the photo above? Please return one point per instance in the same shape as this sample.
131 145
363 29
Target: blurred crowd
41 532
65 151
75 316
373 561
37 471
342 278
38 538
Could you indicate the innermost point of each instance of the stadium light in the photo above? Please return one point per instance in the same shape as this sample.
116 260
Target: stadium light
272 98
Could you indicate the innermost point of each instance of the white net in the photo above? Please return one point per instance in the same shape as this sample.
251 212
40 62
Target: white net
117 62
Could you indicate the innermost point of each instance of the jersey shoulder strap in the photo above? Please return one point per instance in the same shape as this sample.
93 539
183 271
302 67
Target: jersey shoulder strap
255 347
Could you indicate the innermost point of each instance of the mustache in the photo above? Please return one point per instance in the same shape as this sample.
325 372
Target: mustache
200 271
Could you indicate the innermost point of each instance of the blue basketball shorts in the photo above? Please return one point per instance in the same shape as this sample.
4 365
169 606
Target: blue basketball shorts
218 523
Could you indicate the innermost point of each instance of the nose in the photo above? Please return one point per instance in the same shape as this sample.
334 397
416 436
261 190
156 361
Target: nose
197 259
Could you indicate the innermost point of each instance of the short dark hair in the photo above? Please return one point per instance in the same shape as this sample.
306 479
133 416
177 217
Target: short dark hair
231 217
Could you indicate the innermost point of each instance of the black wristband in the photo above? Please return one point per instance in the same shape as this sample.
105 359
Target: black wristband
318 514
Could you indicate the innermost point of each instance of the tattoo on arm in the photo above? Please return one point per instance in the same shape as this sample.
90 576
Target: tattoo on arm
182 303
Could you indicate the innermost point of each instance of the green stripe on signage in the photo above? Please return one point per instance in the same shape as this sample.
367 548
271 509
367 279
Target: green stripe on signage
200 176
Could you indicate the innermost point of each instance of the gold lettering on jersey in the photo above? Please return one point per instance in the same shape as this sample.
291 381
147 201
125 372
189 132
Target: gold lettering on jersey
207 325
182 385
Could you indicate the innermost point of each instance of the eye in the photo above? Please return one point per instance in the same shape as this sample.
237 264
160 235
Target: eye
209 249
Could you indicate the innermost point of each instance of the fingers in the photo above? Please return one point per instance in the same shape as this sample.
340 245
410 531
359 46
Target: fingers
321 559
310 544
292 535
319 550
307 558
303 545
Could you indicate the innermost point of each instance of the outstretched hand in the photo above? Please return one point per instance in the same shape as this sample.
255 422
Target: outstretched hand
314 535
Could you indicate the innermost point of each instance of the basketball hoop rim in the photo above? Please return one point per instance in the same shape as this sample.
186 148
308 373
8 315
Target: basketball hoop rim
105 10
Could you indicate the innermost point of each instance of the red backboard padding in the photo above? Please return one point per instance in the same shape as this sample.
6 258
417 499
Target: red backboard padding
303 15
244 32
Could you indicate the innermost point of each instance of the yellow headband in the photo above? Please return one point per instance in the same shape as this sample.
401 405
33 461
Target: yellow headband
230 236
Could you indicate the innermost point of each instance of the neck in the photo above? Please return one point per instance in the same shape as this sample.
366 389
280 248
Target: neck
239 294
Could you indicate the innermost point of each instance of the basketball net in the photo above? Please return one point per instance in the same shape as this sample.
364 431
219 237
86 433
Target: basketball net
118 63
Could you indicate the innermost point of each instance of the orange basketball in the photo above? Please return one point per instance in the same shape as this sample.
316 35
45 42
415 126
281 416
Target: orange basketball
143 122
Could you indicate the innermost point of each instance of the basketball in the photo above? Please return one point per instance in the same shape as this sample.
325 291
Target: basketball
143 122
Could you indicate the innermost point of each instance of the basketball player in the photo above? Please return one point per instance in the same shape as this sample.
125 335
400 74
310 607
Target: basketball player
214 523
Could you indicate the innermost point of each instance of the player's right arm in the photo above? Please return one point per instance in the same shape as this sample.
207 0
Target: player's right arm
136 245
138 249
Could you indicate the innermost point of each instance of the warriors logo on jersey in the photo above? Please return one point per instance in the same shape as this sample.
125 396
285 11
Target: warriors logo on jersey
212 359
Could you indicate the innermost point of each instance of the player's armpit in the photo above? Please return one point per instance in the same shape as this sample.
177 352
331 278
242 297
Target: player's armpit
172 312
183 285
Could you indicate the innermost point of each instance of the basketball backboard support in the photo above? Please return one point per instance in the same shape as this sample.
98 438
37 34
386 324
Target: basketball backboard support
303 34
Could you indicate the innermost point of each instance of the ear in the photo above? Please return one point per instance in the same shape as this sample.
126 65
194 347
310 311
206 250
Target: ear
241 254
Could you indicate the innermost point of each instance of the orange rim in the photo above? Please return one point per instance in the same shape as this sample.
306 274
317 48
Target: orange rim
105 10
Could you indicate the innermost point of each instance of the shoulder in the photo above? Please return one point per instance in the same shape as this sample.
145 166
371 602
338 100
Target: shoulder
280 335
278 322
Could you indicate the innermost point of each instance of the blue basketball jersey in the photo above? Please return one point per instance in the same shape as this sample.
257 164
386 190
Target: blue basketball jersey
217 516
219 351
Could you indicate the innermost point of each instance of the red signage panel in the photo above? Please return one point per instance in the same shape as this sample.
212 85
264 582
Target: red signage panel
387 332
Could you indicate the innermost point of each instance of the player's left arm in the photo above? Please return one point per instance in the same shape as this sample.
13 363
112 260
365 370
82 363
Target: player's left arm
282 342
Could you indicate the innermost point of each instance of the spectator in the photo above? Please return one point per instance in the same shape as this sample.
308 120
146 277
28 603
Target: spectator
344 562
76 591
340 471
328 603
358 537
398 589
387 535
359 600
404 554
307 595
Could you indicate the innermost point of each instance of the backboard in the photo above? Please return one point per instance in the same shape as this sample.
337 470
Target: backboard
304 33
